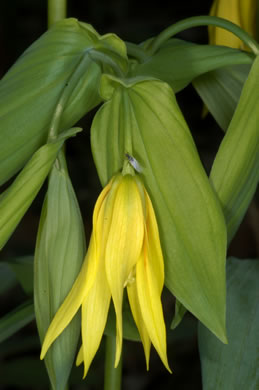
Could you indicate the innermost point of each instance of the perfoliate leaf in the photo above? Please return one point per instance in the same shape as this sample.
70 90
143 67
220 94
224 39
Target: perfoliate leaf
15 201
15 320
142 118
235 171
60 250
220 91
178 62
235 366
31 89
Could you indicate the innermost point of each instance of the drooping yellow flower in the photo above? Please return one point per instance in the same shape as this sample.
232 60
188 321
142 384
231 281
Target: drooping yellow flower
240 12
124 251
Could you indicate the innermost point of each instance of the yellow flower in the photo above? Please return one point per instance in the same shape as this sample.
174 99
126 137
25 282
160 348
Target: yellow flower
124 251
240 12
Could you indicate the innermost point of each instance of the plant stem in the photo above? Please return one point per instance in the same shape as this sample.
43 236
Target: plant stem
137 52
203 21
112 376
65 95
57 10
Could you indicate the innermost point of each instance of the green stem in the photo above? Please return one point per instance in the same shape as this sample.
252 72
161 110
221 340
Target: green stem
136 52
57 10
202 21
103 58
112 376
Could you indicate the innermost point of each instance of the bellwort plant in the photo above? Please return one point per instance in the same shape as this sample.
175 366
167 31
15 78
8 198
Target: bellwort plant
162 224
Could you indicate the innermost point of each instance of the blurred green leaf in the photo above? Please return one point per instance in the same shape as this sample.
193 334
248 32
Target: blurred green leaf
7 277
23 270
235 171
235 366
178 62
220 91
60 250
31 89
15 201
142 118
16 319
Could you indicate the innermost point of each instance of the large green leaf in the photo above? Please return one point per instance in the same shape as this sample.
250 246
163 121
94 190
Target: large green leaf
235 366
142 118
60 250
31 89
235 171
15 201
15 320
220 91
178 62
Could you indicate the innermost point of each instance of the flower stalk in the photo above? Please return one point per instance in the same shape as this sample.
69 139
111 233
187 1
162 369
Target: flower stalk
112 375
197 21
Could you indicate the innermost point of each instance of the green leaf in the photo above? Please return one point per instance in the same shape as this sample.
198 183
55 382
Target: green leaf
15 320
15 201
235 171
60 250
235 366
220 91
31 89
142 118
178 62
7 278
180 311
23 270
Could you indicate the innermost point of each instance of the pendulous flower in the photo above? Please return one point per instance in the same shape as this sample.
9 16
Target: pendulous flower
124 252
240 12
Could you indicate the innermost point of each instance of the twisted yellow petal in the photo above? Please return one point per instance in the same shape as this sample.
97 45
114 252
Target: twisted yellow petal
72 302
94 316
137 315
123 246
150 280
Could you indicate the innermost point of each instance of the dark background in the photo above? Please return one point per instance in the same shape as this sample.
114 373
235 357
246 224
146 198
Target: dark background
23 21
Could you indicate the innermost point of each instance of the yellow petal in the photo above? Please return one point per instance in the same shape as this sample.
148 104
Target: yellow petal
240 12
248 15
123 245
80 356
155 256
73 300
150 281
94 316
137 315
151 307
